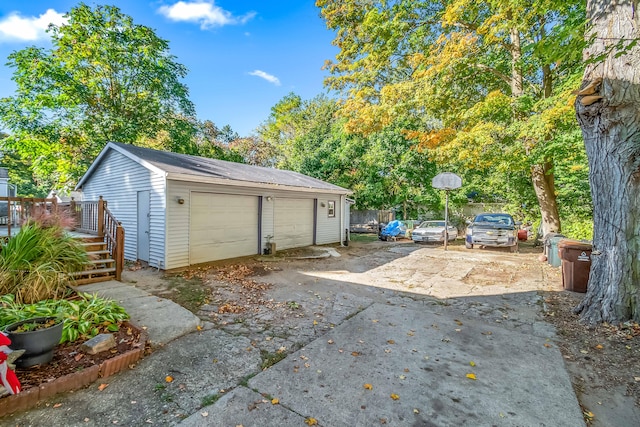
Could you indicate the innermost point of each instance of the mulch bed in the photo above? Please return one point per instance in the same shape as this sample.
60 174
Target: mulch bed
68 358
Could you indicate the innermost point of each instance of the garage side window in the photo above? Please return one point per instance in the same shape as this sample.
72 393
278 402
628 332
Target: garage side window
331 208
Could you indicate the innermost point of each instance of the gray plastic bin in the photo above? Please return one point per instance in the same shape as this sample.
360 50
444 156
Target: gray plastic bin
551 241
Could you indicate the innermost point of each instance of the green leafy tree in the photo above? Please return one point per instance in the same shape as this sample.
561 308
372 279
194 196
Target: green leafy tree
104 79
210 141
381 168
490 82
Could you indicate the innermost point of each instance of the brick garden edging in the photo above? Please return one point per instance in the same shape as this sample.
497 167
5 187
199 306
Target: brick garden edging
31 397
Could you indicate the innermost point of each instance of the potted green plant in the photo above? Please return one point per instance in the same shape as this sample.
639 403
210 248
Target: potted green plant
37 336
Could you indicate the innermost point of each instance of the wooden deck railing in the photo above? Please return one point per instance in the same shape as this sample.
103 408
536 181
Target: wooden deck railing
14 211
92 218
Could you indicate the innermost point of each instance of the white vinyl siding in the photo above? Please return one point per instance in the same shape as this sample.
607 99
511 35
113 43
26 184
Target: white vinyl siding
222 226
293 222
118 179
328 229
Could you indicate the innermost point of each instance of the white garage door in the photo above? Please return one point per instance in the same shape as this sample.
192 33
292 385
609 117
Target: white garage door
293 223
222 226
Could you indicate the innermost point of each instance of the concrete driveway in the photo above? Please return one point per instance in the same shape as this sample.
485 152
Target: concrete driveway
384 334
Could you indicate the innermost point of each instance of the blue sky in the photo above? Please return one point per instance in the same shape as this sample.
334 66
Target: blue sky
242 56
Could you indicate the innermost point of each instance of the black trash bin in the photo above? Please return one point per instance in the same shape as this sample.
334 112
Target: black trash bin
576 264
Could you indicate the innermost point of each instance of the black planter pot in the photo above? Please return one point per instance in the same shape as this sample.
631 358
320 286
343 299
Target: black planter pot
39 344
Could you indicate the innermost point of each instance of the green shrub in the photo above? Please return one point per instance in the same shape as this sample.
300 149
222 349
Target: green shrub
84 317
577 228
35 263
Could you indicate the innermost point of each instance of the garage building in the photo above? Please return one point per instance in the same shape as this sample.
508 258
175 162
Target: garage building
178 210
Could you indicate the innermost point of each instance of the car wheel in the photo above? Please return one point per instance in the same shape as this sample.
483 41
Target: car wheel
468 245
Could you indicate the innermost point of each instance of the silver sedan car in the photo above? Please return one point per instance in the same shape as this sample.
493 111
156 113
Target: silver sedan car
432 231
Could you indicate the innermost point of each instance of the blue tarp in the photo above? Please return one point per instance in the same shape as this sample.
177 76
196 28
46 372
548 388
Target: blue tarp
393 229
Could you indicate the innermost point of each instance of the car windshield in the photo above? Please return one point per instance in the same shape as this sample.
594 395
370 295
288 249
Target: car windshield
428 224
495 219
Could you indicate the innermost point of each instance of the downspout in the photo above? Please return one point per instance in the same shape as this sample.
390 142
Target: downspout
315 220
260 225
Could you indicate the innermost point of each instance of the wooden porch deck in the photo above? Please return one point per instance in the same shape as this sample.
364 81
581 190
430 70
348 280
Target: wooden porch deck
94 225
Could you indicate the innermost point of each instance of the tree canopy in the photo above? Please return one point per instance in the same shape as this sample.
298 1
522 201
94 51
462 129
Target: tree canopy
488 84
104 79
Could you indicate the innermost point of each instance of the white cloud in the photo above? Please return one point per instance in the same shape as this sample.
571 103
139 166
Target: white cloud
268 77
207 14
16 28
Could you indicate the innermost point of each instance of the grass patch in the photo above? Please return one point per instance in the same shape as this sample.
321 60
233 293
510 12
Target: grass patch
209 400
293 305
189 293
245 381
363 237
270 359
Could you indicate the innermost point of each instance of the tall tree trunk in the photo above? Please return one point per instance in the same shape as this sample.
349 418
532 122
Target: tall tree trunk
611 131
541 174
543 185
517 79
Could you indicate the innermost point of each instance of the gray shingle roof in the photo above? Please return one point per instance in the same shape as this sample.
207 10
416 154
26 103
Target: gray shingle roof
183 164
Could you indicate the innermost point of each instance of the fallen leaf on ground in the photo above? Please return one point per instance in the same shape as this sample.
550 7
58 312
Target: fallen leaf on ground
330 342
168 378
275 401
391 342
394 396
57 405
471 376
204 414
368 386
355 354
102 386
311 421
472 363
599 346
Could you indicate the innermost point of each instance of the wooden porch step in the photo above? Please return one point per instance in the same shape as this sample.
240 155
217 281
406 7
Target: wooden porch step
87 280
93 271
94 275
99 253
93 247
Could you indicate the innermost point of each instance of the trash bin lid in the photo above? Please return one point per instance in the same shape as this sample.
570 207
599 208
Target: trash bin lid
575 244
